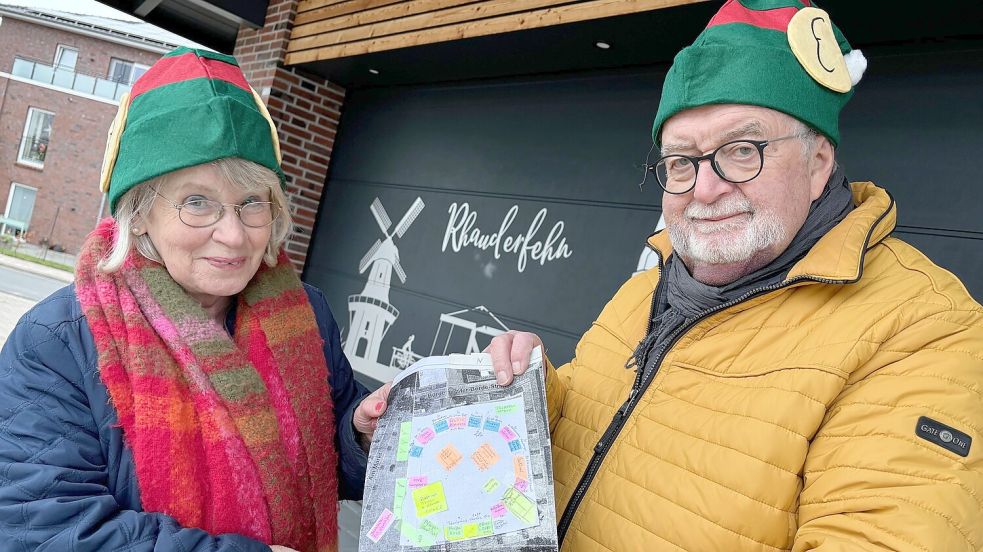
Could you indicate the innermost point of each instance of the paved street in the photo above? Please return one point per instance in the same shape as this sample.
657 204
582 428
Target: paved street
26 285
12 308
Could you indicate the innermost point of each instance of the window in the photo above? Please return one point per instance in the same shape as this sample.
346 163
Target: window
37 133
124 71
20 207
66 57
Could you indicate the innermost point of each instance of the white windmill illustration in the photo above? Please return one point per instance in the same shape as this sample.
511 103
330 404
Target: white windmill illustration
370 313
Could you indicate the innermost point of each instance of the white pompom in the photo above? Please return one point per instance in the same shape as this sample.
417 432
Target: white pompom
856 64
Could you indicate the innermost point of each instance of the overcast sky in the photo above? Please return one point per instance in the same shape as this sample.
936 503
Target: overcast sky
88 7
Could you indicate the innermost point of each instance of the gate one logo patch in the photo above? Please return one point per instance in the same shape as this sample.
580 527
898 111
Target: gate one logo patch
946 437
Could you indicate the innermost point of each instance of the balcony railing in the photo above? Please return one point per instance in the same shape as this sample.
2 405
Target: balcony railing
69 79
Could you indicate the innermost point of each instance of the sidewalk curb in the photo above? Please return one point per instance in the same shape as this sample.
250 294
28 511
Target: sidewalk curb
36 269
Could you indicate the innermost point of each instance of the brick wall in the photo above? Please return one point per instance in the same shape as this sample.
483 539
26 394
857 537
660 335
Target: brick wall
66 206
305 108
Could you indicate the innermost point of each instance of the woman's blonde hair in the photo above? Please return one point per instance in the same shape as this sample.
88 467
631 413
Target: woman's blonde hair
248 176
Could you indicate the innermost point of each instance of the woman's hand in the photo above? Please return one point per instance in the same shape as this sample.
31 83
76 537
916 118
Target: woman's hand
277 548
510 354
366 416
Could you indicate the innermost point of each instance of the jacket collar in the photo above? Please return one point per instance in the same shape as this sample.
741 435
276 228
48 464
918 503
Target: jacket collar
839 255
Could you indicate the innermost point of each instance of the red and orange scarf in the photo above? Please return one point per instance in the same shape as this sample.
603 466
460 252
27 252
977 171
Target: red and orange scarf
230 434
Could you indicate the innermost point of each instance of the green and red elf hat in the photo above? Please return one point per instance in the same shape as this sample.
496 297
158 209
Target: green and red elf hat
189 108
781 54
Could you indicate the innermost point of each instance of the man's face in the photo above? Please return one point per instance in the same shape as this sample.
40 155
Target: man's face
724 231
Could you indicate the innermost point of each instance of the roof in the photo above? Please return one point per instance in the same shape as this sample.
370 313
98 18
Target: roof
137 34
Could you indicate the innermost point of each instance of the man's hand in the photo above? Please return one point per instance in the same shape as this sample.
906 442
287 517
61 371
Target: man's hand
366 416
510 354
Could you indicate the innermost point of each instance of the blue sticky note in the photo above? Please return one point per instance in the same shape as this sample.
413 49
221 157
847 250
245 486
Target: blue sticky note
492 425
441 426
515 445
416 451
474 421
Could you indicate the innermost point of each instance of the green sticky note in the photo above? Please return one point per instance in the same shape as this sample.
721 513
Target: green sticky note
486 528
430 528
454 532
403 448
491 485
398 497
520 506
506 408
429 499
417 537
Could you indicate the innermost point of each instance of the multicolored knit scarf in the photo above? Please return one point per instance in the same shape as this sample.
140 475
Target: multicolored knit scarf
230 434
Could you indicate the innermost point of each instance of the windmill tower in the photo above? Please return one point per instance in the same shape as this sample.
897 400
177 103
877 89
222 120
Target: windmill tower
370 313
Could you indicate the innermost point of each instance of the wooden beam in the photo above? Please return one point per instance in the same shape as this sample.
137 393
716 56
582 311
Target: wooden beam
339 8
430 20
584 11
308 5
385 13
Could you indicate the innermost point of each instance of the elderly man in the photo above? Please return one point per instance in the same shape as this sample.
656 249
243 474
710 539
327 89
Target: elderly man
798 379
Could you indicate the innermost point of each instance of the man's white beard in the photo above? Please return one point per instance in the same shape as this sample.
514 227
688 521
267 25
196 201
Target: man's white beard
724 242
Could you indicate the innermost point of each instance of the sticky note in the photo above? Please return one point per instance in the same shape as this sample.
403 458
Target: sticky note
506 408
515 445
507 433
458 422
398 497
492 425
426 436
520 506
491 485
441 426
381 525
416 451
474 421
498 510
430 499
485 457
486 528
430 528
470 530
417 481
449 457
454 532
521 471
521 484
403 448
416 536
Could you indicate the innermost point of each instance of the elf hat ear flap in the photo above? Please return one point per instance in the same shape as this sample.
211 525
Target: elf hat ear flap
266 115
112 143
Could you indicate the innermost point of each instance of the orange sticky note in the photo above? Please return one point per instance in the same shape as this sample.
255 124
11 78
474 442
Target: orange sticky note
521 472
449 457
485 457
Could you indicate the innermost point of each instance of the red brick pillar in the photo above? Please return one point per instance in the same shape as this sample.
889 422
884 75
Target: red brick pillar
305 109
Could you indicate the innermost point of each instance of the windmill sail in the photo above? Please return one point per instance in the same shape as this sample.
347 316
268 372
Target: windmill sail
409 217
381 216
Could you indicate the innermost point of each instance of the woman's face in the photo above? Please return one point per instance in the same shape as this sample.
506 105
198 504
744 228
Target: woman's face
216 261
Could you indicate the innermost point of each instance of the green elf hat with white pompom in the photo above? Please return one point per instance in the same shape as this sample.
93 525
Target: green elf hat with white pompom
781 54
189 108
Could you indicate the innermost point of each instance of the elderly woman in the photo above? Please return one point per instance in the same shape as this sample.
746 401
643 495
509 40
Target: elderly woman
188 392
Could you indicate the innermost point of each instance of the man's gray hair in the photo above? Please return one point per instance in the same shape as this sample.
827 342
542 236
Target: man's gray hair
244 174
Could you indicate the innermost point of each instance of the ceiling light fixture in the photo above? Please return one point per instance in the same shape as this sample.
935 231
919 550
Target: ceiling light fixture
602 45
374 71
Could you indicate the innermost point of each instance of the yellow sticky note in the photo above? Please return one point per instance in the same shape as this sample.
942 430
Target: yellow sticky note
485 457
470 530
429 500
453 532
449 457
491 485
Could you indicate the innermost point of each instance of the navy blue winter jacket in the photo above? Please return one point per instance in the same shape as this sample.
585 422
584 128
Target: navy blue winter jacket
67 478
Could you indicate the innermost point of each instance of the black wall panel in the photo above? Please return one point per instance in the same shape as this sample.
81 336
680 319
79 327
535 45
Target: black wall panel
573 145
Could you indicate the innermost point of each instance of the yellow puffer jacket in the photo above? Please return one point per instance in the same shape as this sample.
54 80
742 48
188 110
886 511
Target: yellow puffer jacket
789 420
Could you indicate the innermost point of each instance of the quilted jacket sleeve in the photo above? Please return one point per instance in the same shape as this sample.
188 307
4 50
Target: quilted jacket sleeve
871 482
54 479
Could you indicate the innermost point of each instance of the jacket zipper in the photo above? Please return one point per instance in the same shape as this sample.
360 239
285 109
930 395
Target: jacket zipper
640 387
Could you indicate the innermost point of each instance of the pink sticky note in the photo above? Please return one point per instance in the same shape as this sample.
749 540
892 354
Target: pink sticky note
498 510
521 484
417 481
459 422
507 432
381 525
426 436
